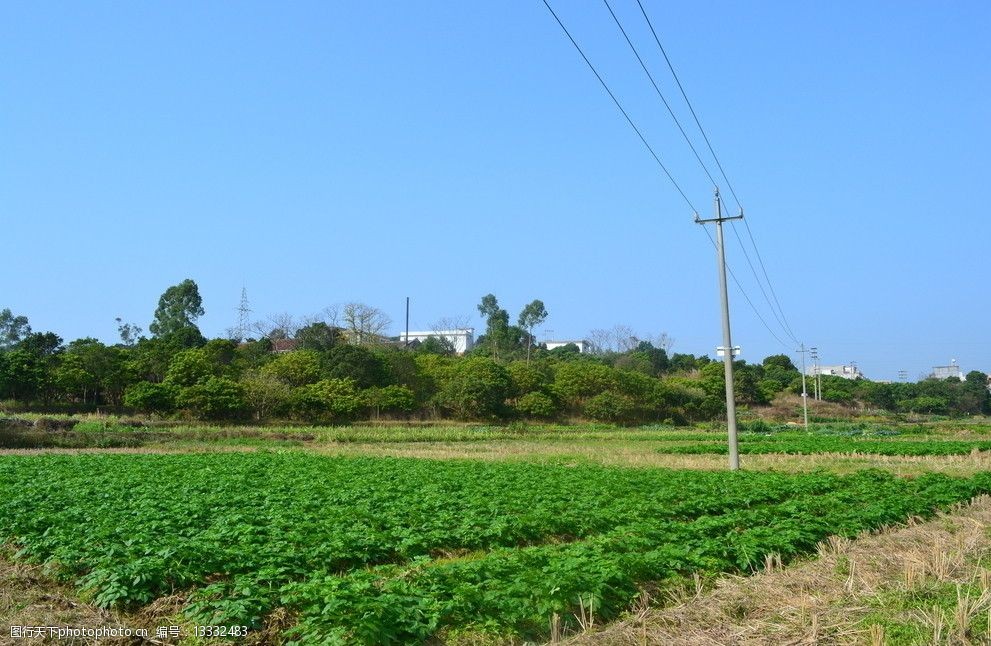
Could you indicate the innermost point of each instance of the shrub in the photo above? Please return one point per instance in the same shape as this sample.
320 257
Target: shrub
537 404
150 398
478 387
328 400
215 398
390 399
610 406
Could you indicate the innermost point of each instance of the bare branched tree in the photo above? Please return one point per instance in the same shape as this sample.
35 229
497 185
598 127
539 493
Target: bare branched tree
331 315
663 341
624 338
278 326
364 324
600 341
451 323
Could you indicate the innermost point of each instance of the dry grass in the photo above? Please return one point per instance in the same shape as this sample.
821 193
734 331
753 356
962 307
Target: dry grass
843 597
611 453
642 454
30 598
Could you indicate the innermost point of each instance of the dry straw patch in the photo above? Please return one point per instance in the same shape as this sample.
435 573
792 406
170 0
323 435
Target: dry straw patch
826 600
642 454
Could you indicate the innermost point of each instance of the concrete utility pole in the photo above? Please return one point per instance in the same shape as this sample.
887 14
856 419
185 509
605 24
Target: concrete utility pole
816 386
734 450
805 394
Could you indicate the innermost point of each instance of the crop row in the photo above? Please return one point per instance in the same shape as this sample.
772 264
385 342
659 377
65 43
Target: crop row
517 591
832 444
382 549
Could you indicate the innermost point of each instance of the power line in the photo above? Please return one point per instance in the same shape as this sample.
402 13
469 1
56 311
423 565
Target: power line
656 157
621 109
685 96
746 297
769 284
783 321
780 319
659 93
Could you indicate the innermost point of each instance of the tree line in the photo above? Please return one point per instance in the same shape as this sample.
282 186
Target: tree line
342 373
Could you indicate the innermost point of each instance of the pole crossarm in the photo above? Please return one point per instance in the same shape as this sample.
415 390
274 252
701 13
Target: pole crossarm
699 220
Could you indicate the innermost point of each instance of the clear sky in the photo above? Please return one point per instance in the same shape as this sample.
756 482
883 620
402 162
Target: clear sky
324 152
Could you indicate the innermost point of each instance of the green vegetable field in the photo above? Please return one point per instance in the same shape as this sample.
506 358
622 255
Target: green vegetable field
391 550
812 444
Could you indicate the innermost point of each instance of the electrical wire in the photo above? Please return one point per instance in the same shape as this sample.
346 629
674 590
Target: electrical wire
685 96
782 320
659 93
621 109
656 157
746 297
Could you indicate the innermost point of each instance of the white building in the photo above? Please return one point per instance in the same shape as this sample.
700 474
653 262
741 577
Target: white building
847 372
951 371
583 345
462 340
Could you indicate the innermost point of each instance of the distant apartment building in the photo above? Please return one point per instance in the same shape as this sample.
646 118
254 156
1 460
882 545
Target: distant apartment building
846 371
461 340
583 345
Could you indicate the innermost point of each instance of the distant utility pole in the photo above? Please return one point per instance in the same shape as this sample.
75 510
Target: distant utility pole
814 353
805 394
734 450
243 321
407 323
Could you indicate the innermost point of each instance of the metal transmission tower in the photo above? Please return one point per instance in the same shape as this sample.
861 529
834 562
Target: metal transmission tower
243 320
805 394
734 450
903 375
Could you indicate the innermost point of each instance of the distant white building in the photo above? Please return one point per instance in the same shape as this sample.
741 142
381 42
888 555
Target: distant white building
847 372
951 371
583 345
462 340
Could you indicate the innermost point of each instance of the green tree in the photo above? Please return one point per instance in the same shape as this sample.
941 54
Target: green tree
527 378
12 329
296 369
477 388
318 336
576 381
252 354
610 406
782 361
436 345
71 377
566 352
94 362
536 405
129 334
215 398
148 397
532 315
189 368
357 363
328 400
389 399
178 308
496 325
265 393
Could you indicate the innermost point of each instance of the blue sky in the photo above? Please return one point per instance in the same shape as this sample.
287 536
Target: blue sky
324 152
